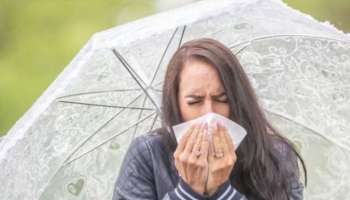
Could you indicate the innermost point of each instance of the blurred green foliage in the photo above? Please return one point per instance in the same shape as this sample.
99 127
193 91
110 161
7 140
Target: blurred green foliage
336 12
38 38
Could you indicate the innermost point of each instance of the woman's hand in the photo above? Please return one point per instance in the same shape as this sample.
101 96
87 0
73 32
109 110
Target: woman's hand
191 157
222 158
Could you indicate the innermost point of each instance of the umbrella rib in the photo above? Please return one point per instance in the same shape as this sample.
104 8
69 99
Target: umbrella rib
140 114
182 35
311 130
110 138
98 92
158 90
163 55
153 123
99 129
159 83
241 49
102 105
129 69
282 35
90 136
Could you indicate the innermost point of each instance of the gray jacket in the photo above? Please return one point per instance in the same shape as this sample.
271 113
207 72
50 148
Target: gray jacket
147 172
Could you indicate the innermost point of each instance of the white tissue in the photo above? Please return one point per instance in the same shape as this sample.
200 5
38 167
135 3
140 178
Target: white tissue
236 131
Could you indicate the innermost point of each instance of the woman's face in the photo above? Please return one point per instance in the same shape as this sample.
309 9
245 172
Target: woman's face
201 91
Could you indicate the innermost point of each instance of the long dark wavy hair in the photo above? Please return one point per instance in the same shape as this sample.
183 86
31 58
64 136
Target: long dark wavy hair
258 172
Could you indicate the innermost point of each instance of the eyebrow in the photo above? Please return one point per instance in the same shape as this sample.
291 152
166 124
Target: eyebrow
200 97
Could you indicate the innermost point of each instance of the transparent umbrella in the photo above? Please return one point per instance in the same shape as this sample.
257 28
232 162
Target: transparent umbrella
71 143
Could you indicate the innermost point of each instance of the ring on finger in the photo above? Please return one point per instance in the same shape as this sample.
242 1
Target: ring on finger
219 153
197 153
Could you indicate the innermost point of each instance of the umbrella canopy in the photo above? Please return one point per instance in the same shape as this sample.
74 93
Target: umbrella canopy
71 143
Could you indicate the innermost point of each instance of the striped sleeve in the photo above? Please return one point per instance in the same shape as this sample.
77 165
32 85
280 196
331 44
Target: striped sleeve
184 192
227 192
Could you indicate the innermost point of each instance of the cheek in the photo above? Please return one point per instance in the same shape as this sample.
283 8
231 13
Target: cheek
223 109
188 112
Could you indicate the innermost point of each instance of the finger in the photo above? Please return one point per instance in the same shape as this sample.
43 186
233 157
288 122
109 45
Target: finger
205 143
229 142
198 142
211 148
223 139
231 148
183 141
178 167
191 140
178 154
216 139
178 164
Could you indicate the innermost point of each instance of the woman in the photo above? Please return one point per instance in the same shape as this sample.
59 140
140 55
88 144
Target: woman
204 76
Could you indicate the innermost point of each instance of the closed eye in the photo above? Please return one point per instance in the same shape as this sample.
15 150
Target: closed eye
221 98
193 102
193 99
222 101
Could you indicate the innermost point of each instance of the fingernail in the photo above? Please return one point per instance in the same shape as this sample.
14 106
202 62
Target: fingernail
205 125
207 135
221 123
205 132
217 125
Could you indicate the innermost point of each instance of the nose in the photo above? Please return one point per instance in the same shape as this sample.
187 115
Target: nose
207 107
